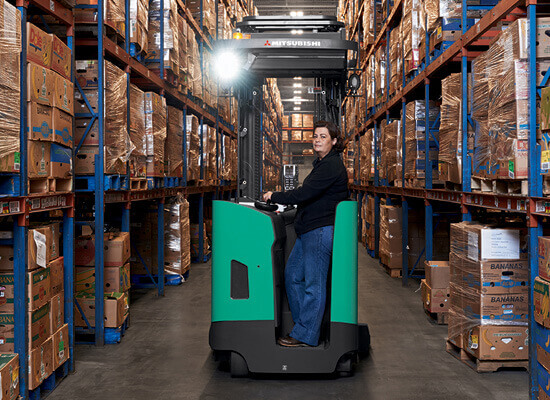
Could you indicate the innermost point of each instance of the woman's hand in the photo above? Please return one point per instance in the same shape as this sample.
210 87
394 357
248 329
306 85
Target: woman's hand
267 196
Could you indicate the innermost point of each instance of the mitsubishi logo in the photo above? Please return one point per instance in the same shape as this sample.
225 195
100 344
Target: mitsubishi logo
267 43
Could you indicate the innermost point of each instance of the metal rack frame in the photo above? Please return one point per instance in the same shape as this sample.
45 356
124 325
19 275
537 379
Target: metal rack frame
148 80
533 206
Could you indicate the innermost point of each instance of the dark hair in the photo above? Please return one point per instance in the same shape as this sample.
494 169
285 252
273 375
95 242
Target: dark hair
334 134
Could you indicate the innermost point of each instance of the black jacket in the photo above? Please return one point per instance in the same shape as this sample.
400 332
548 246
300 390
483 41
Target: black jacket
317 198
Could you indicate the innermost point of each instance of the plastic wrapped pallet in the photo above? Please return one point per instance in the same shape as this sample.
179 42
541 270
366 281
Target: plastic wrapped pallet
10 103
174 143
171 47
193 65
117 140
177 249
115 16
484 305
193 148
415 140
396 74
155 131
182 52
137 133
391 155
508 113
139 22
209 137
195 242
391 249
380 75
450 131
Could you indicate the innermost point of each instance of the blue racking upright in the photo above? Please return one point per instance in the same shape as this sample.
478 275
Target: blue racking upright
532 207
23 207
104 190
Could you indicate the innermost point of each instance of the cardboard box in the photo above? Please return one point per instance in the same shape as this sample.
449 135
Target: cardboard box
6 293
84 163
116 250
56 276
61 57
40 84
541 338
541 300
9 376
39 46
40 363
7 323
61 161
92 95
39 326
490 277
57 312
87 72
60 346
38 159
437 274
39 288
40 247
40 121
6 258
480 242
115 279
81 125
434 300
543 37
544 257
488 308
116 309
63 97
498 342
543 380
62 128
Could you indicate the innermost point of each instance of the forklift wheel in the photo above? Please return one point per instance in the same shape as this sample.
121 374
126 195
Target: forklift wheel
345 365
238 366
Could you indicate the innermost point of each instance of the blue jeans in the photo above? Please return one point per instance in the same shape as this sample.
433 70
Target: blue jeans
306 282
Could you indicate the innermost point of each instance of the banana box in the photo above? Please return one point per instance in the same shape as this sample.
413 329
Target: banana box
541 300
38 159
9 376
40 84
39 46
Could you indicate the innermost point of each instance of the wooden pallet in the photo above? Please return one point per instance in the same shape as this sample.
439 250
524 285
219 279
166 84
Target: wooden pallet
484 365
440 318
138 183
50 185
393 272
500 186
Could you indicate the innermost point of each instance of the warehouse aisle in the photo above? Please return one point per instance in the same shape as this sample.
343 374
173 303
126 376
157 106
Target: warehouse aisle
165 354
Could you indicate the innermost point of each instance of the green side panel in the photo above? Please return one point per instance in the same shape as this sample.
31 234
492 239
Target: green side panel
245 235
344 264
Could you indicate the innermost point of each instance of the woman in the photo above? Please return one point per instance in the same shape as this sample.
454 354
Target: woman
307 267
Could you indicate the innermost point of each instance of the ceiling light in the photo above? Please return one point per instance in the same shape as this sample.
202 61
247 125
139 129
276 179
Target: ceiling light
297 102
297 78
297 92
297 108
297 85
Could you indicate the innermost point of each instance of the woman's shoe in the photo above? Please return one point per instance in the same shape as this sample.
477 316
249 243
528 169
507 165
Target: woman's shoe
289 341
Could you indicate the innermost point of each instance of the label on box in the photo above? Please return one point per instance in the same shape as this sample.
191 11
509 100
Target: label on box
472 245
473 342
40 241
499 244
545 159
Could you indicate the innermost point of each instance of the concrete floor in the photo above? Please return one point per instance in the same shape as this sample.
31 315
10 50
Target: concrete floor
165 354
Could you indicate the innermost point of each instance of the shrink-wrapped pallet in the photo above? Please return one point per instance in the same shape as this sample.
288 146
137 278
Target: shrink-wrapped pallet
193 148
177 249
174 143
171 47
155 131
139 22
391 245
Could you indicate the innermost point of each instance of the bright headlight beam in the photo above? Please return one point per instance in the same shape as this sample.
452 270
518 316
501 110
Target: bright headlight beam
228 66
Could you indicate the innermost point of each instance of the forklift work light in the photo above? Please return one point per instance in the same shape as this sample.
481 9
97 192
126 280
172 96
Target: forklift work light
227 66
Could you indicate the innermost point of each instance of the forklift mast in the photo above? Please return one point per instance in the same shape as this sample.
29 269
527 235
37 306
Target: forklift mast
285 47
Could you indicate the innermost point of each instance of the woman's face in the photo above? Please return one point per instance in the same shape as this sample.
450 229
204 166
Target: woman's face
322 142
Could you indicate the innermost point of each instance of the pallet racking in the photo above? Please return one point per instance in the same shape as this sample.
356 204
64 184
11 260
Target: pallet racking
458 56
103 193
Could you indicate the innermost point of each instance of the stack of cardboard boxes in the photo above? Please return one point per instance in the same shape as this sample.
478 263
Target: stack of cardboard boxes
193 148
391 243
435 288
415 141
174 143
144 233
115 136
489 284
48 333
138 138
10 92
50 109
391 160
116 279
170 35
177 249
139 25
155 133
541 300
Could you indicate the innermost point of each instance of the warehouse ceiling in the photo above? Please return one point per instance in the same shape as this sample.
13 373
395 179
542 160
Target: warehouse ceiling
284 7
